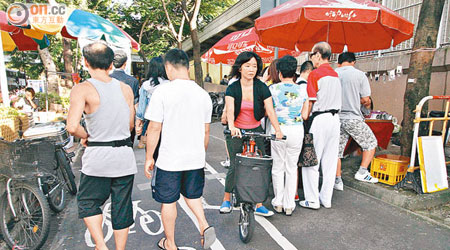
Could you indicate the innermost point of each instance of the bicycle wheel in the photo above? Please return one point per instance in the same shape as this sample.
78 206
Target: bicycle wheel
54 190
246 223
30 228
66 171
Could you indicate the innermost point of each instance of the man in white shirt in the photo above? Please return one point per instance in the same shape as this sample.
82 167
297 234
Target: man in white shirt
181 112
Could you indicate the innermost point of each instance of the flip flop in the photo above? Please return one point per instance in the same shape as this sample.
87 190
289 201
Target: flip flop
163 246
208 238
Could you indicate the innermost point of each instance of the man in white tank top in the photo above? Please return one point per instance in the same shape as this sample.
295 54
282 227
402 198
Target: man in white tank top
108 163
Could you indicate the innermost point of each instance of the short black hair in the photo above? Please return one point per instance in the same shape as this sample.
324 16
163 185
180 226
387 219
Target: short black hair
177 58
346 57
120 58
98 55
306 66
31 90
243 58
156 70
324 49
287 66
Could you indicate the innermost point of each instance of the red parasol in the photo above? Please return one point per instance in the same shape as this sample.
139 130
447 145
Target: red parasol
228 48
362 25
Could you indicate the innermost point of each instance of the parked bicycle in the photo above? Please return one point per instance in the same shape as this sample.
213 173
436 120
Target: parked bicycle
252 180
36 170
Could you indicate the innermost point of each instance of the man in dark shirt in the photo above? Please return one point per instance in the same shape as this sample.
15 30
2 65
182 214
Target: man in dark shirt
120 63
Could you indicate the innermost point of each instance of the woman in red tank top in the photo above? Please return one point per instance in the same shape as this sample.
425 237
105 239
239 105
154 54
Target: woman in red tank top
247 101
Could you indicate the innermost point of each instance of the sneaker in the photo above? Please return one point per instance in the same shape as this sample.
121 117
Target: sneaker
339 186
225 208
325 205
278 209
297 198
309 204
226 163
263 211
289 211
365 177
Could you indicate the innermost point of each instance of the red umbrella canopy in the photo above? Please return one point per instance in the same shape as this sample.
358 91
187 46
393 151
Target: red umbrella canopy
362 25
228 48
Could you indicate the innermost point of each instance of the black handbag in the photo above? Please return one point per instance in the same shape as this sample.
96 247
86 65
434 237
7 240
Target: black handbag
308 156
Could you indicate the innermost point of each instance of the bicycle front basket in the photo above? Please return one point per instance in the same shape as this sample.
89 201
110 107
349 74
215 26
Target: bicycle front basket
26 158
252 177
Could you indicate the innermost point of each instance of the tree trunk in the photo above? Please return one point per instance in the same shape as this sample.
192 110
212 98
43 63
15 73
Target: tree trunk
68 60
197 60
420 65
50 67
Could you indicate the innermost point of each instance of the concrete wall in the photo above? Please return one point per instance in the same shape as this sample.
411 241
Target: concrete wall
388 95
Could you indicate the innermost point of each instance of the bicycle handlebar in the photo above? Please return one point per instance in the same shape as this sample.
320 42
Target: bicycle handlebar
255 134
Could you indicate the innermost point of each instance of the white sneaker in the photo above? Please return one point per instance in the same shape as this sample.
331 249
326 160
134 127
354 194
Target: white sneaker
325 205
309 204
339 186
365 177
225 163
289 211
278 209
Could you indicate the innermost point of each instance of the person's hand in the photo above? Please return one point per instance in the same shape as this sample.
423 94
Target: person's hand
139 126
223 119
279 135
148 167
84 142
235 132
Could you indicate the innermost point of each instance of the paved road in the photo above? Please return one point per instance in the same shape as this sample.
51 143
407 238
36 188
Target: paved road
355 221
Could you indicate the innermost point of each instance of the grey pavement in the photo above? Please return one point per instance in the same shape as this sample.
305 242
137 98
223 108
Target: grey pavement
356 221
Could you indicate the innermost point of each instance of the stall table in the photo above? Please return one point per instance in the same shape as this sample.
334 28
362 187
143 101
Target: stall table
382 130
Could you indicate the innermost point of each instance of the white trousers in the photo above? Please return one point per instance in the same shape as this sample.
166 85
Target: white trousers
326 132
284 169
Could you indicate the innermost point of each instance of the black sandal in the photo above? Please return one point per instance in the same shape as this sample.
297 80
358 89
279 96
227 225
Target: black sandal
163 246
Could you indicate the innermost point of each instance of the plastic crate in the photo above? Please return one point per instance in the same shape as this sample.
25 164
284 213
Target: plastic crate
389 169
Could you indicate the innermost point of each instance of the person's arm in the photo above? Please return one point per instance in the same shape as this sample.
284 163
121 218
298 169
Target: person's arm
153 134
306 110
32 103
229 107
207 125
268 105
365 101
77 106
129 98
223 119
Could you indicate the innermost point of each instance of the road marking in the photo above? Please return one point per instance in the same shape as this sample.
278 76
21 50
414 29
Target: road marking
215 176
144 186
217 244
215 137
269 227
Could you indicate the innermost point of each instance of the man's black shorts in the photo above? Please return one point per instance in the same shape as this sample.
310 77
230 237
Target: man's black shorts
167 185
94 191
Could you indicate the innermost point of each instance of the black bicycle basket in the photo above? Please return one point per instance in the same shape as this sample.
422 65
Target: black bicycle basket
27 158
252 175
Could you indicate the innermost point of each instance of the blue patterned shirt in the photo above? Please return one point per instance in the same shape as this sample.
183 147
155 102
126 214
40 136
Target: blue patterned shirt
288 100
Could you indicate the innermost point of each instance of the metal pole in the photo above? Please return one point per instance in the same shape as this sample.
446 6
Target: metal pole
3 79
277 2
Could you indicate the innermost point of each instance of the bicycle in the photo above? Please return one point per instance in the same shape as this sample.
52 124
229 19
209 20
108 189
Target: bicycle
252 180
24 209
37 169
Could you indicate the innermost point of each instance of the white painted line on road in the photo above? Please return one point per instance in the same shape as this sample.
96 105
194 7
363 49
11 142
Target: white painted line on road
144 186
215 176
217 244
269 227
215 137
